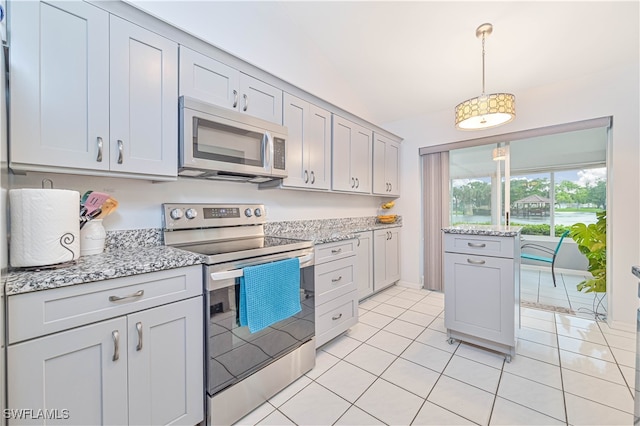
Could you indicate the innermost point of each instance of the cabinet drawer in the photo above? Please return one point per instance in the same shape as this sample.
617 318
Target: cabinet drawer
479 245
334 251
48 311
335 317
333 279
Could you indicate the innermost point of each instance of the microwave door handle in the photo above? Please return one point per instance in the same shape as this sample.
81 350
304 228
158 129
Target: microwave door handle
268 150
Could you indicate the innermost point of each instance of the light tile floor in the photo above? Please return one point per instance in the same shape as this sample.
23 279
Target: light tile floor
395 367
536 285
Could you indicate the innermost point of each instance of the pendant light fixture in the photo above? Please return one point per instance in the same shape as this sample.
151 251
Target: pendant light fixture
485 111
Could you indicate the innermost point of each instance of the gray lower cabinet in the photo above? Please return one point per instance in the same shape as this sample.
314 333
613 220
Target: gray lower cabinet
336 295
141 364
364 264
482 290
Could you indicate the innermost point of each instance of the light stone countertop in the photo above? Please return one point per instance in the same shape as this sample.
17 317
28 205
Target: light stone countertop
487 230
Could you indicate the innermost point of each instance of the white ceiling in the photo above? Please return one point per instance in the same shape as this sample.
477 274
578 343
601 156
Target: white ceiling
392 60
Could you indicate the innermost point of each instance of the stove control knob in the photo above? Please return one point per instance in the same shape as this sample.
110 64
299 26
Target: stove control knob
248 212
176 214
191 213
258 212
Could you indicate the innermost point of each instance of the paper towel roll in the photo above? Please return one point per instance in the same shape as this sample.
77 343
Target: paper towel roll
45 227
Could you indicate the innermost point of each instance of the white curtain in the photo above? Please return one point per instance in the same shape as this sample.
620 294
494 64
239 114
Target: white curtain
435 188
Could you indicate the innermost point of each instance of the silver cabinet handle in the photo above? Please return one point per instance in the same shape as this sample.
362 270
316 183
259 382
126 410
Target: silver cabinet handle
235 98
336 251
139 328
100 144
138 293
476 262
336 317
358 238
353 182
357 183
477 245
313 177
335 280
246 102
120 149
116 345
306 177
390 187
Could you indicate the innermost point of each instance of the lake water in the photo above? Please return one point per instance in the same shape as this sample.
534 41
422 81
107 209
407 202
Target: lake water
562 218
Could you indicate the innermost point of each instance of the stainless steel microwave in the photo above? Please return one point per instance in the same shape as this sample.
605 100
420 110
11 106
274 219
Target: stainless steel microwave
218 143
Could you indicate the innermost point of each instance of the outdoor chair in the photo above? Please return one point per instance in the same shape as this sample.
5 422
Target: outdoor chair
551 260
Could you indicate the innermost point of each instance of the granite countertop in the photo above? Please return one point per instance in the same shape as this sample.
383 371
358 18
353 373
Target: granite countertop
115 263
635 270
329 234
133 252
488 230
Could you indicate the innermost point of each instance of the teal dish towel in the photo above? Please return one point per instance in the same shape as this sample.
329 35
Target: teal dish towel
269 293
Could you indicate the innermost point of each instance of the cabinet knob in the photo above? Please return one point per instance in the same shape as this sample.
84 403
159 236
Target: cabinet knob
335 280
246 102
313 177
235 98
336 317
139 329
476 262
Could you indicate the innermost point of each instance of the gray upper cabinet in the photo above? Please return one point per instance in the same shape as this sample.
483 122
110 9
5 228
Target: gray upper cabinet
144 101
386 161
351 156
308 145
59 85
90 93
211 81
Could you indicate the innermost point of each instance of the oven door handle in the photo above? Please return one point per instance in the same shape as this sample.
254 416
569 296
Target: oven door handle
237 273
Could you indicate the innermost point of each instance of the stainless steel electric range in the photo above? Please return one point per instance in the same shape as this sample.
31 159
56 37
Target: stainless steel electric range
243 369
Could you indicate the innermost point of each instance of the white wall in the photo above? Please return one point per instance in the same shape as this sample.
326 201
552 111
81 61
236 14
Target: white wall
140 200
611 93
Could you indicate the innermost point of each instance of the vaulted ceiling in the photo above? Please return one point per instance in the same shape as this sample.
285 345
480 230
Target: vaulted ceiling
391 60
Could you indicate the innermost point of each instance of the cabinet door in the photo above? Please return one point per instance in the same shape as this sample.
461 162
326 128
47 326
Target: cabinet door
73 370
165 364
342 135
296 114
59 85
392 257
361 155
144 101
380 237
392 167
364 262
380 184
479 296
260 99
208 80
386 157
318 144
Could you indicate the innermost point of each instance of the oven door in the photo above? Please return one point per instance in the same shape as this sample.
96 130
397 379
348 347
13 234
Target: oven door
233 352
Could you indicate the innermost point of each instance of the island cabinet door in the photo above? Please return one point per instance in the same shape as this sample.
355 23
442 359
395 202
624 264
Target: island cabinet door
76 377
479 296
165 364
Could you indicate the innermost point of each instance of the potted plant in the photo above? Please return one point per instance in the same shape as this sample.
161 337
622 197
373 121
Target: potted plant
592 242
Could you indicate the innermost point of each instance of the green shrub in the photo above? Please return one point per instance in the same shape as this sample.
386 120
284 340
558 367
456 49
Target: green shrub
540 229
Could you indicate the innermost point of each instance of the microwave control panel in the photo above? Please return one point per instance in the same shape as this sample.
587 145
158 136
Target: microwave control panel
279 154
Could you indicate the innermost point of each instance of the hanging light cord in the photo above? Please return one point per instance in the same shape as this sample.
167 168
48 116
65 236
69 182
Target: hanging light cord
483 35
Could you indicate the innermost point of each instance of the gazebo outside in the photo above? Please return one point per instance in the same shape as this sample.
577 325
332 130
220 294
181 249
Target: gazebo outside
533 205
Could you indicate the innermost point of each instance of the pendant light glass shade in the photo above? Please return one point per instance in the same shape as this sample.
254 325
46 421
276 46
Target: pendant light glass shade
485 111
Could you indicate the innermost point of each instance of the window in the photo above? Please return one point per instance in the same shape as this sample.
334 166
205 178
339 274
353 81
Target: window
555 181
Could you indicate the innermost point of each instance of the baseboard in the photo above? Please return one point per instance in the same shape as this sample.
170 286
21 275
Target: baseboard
624 326
408 284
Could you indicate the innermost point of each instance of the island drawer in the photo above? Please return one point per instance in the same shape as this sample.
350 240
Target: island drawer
479 245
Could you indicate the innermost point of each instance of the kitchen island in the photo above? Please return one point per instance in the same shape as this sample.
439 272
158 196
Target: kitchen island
482 285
